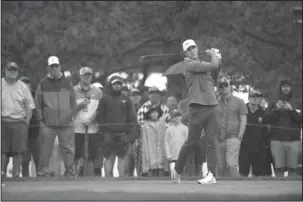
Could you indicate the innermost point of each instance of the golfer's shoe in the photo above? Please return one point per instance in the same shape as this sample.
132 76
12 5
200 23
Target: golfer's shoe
176 177
209 179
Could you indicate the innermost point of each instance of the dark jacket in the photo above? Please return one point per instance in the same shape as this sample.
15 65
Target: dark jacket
55 101
115 113
34 123
255 137
288 121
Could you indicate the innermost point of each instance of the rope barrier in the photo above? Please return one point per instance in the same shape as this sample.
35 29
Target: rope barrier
248 124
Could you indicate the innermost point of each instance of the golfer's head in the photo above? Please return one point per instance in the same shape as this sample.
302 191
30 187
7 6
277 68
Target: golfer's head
190 48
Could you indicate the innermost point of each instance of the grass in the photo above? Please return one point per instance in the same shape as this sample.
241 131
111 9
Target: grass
184 178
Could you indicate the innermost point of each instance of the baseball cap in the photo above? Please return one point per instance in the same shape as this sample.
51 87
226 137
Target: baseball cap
175 113
53 60
97 85
85 70
153 89
188 43
255 93
12 65
115 79
224 80
135 91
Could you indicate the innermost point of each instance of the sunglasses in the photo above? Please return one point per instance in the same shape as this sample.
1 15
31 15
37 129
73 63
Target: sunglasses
54 66
257 96
223 85
26 81
12 69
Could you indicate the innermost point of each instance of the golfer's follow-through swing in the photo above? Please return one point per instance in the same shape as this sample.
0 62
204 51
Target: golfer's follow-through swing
203 108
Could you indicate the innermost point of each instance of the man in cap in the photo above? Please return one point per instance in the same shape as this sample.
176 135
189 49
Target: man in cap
116 120
17 105
56 109
203 108
254 146
87 99
233 119
286 118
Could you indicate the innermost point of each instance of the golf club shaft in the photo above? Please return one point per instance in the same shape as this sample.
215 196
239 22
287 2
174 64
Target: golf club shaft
163 55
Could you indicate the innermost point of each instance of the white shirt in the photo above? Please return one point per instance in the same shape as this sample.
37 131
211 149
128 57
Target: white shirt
16 99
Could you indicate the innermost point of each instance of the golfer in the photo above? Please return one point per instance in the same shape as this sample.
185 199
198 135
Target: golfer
203 109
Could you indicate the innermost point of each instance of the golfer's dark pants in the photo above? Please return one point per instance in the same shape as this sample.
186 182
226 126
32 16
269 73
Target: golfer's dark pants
201 117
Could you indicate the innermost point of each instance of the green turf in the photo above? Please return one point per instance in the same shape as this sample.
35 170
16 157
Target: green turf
190 178
151 190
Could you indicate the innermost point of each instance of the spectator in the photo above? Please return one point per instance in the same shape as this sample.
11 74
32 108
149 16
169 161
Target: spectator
253 150
116 119
33 144
100 154
154 99
135 97
152 133
16 113
233 113
87 99
285 139
56 109
171 103
175 136
125 91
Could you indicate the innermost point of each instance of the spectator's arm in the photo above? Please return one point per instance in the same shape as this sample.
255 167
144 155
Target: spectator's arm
296 116
166 144
73 103
186 133
38 103
131 118
197 66
30 105
100 118
243 119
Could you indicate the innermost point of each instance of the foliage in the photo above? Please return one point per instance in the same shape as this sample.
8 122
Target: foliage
258 39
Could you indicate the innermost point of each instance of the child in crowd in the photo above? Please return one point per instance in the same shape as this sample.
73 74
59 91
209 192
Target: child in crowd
152 133
175 136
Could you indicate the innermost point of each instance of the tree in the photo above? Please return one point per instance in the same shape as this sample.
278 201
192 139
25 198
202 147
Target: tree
258 39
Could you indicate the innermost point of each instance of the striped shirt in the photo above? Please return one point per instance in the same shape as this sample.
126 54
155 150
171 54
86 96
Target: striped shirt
144 109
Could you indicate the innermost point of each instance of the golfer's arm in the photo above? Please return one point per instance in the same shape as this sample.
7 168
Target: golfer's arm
197 66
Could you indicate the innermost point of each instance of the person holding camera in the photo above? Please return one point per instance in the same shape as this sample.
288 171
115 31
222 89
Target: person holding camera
285 119
87 99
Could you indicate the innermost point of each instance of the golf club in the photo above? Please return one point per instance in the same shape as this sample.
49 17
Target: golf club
143 57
